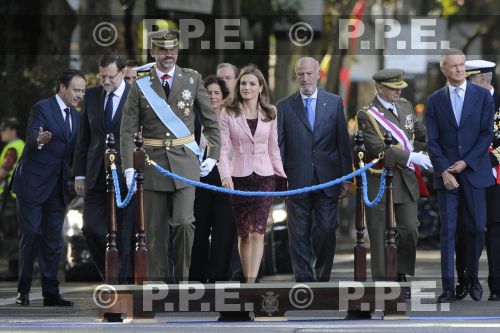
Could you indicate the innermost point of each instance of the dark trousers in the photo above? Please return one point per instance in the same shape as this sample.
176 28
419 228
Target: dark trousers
214 234
470 204
40 226
493 251
460 252
95 229
312 223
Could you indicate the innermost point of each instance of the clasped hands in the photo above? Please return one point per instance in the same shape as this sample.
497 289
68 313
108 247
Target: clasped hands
449 180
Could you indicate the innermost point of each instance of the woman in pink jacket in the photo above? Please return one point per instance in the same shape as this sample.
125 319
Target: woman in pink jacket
249 128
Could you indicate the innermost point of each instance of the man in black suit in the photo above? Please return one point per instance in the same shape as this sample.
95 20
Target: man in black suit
41 186
314 144
102 112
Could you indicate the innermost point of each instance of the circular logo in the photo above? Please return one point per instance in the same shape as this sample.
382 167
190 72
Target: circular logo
301 34
105 34
105 296
301 296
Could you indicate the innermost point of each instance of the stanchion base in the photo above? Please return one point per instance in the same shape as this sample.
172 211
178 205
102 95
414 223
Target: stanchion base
243 302
234 316
358 315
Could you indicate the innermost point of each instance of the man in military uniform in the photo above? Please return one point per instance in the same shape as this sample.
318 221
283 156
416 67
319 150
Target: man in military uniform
162 105
9 157
480 72
389 112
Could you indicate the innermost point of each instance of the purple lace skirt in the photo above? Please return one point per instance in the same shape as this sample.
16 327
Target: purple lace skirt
251 213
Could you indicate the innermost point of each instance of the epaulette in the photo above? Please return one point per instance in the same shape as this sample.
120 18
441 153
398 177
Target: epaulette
364 108
189 70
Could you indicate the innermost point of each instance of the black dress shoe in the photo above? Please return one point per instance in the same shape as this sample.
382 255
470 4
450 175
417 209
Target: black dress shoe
475 290
461 291
494 297
447 296
56 301
407 290
23 299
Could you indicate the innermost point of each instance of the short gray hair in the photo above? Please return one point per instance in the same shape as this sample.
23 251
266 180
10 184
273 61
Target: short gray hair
226 64
301 60
447 53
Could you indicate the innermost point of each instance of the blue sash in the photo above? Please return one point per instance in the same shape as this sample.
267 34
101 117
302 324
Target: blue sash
165 113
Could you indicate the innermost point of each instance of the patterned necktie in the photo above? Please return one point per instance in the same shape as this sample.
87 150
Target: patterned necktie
458 103
164 83
67 124
309 111
108 113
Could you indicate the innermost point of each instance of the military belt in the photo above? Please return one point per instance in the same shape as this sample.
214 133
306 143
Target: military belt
167 143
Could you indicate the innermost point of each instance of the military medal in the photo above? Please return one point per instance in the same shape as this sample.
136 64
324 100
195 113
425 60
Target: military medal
409 122
186 103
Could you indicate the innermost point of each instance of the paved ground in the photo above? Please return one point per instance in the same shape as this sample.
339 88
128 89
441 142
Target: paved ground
462 316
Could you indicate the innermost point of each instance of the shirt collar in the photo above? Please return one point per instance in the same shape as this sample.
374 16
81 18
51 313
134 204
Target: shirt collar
61 103
160 73
119 91
386 104
314 95
492 91
462 86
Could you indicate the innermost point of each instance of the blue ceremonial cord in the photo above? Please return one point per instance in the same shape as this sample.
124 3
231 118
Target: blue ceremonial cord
362 171
118 195
262 193
380 193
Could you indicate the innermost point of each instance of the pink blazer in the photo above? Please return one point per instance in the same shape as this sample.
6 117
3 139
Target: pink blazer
259 153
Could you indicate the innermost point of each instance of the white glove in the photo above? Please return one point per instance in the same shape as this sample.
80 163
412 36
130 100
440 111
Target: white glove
129 177
420 159
206 166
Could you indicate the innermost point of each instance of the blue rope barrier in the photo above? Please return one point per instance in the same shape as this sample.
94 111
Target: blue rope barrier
380 193
263 193
119 202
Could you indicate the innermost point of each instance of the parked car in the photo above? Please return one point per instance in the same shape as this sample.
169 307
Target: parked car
78 263
276 259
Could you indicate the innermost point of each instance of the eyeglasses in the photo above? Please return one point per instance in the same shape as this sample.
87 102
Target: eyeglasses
78 91
109 77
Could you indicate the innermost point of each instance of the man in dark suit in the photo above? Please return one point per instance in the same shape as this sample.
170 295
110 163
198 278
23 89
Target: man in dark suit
480 72
41 186
314 144
102 113
459 120
388 111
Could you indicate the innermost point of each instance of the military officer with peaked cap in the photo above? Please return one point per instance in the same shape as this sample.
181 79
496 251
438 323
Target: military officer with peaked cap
388 111
162 104
480 72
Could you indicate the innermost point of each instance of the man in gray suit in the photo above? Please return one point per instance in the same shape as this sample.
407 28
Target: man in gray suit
314 144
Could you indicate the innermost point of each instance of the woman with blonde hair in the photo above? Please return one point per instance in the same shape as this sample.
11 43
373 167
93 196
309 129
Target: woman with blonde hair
249 128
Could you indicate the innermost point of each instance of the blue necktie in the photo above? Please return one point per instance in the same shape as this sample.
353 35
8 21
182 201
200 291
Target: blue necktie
108 113
310 111
67 125
458 103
